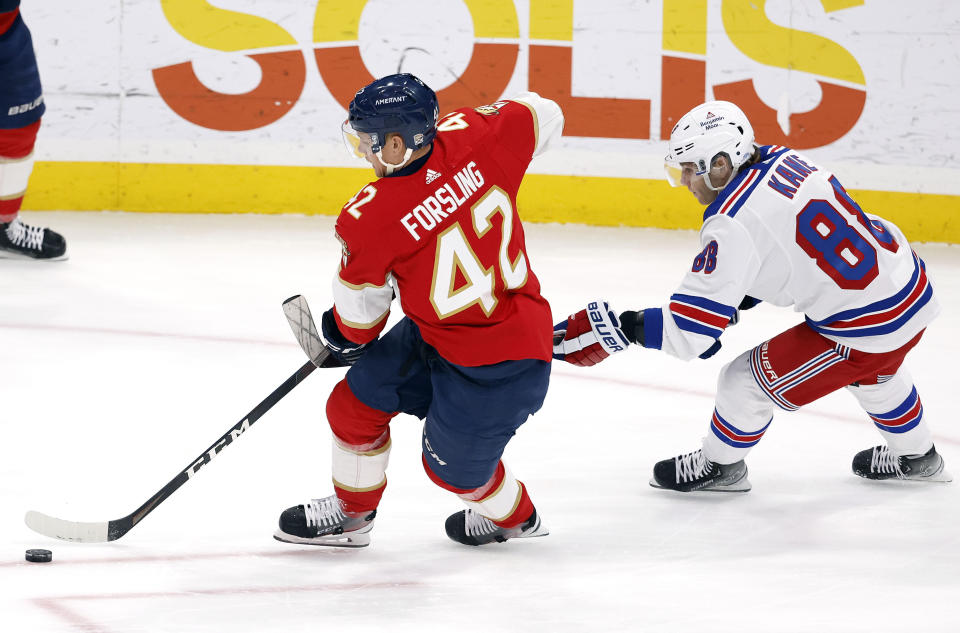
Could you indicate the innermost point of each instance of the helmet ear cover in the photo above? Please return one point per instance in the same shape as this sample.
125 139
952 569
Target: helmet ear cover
714 166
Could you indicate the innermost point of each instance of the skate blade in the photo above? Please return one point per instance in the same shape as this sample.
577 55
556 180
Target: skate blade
5 254
740 486
942 477
348 539
539 530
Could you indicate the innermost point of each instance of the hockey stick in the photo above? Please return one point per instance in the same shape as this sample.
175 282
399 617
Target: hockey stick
104 531
305 331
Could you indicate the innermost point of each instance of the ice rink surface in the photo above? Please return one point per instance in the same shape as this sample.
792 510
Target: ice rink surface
120 365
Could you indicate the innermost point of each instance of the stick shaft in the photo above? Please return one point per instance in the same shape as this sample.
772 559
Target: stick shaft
99 532
225 440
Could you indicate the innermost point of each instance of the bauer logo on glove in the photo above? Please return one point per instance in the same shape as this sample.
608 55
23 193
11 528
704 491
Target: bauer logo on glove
589 336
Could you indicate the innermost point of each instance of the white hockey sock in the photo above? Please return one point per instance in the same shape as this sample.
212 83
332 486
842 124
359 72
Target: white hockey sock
359 470
497 499
741 416
895 408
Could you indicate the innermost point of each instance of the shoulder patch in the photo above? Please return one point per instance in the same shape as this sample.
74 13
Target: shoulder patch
492 109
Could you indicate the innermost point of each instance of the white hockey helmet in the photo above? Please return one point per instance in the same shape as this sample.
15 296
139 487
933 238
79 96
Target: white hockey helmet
709 130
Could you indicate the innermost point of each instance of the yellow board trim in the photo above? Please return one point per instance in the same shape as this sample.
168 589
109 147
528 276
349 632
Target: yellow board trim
761 40
551 20
685 26
337 20
839 5
592 200
494 18
221 29
178 188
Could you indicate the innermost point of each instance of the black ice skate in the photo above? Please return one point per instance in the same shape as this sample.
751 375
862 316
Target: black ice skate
323 522
471 528
22 241
879 463
692 472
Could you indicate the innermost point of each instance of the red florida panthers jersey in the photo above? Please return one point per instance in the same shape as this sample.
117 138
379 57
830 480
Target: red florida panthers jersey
449 241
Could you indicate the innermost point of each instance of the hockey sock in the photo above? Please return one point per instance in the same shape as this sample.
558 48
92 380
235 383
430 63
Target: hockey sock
503 499
359 476
361 449
16 164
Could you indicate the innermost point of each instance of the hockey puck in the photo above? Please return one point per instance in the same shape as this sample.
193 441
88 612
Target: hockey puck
39 555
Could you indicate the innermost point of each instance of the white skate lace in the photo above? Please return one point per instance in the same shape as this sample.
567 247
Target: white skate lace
25 235
477 524
883 461
324 512
691 466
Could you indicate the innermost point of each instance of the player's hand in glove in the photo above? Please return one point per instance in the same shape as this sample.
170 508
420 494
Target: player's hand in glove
589 336
345 351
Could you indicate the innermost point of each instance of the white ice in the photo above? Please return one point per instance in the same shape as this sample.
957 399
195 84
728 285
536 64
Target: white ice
121 365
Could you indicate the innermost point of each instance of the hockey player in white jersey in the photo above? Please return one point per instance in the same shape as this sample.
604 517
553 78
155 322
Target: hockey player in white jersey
779 227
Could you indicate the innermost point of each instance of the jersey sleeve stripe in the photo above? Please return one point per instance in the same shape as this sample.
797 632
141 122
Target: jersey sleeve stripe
361 307
704 303
696 327
696 314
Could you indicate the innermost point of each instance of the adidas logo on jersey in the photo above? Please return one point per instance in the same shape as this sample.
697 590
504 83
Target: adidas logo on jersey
432 175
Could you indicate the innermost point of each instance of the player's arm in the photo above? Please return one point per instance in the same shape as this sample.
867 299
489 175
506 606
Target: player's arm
708 299
547 119
362 295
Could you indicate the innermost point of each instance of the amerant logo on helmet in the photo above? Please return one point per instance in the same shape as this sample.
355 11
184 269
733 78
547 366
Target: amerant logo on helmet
390 100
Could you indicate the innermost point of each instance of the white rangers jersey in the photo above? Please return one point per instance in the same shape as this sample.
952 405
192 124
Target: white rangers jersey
786 232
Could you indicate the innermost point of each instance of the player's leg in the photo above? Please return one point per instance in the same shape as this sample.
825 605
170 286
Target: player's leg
741 416
893 404
475 412
21 106
391 377
17 239
790 370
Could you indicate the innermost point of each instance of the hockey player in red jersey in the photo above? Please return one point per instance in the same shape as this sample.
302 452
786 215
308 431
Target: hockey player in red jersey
21 106
438 230
779 227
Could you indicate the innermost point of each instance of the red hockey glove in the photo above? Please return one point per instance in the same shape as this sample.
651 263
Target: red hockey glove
589 336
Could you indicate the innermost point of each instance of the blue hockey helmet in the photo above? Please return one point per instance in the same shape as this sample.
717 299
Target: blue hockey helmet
400 104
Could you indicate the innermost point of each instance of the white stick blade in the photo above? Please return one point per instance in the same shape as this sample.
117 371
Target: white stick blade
301 322
77 531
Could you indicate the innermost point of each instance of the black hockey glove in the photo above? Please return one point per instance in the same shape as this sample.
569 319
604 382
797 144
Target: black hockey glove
747 303
632 325
344 350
